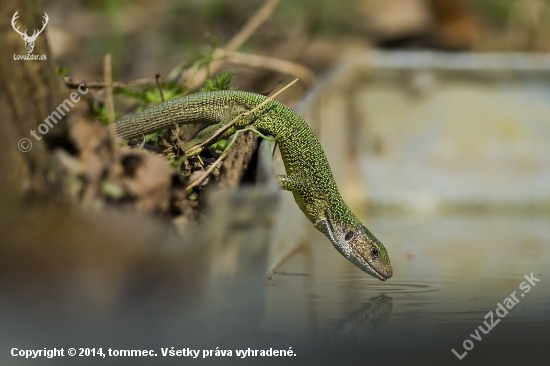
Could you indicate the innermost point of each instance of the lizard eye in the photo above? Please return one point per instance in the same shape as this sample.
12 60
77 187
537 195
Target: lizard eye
348 236
374 252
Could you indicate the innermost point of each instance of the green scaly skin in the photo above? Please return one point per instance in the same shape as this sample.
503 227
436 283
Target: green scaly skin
309 177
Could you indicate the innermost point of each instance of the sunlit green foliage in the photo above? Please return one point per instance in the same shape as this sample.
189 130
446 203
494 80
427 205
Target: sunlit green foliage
220 82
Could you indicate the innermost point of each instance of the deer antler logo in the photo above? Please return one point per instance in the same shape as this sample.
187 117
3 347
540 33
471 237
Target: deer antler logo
29 41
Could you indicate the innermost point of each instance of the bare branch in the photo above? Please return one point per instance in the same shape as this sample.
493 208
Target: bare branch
207 171
274 64
263 14
157 80
108 76
100 84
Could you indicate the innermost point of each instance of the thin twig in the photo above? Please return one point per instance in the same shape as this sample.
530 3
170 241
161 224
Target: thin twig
252 60
108 78
263 14
275 64
244 114
270 98
210 168
71 83
157 80
223 156
110 111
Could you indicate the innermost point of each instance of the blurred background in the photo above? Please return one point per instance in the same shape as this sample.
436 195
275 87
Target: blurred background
435 117
148 36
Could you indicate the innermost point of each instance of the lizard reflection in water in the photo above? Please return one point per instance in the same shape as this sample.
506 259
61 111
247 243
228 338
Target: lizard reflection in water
308 177
364 323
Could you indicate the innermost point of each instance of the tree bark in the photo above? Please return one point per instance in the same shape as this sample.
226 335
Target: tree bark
31 91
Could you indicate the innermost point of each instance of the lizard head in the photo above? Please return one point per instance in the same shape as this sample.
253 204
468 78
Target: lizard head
361 248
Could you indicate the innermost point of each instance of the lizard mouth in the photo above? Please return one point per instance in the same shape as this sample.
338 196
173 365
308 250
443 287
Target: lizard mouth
364 265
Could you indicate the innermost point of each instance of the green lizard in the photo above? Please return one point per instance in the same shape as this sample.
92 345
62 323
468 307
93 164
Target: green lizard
309 177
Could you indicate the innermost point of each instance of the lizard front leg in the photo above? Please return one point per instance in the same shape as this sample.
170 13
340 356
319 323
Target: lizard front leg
232 120
302 195
194 146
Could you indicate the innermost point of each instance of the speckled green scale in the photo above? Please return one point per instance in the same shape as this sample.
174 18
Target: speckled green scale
308 177
302 153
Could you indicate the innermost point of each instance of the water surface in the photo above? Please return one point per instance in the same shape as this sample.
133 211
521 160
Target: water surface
450 271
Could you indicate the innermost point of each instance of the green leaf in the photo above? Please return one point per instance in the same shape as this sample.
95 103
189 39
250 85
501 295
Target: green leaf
220 146
62 71
220 82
